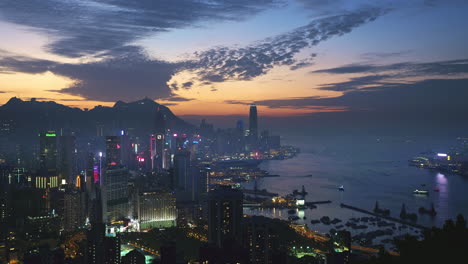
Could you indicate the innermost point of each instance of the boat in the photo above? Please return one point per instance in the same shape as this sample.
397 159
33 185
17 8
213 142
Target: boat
425 192
341 188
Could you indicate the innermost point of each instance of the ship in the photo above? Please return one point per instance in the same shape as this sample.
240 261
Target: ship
424 192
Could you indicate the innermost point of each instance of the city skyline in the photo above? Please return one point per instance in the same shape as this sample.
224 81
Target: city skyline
216 58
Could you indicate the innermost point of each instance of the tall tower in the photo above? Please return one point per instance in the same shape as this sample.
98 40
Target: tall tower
224 215
253 125
48 173
182 170
159 122
113 151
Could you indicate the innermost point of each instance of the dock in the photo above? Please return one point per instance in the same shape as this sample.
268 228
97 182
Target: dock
259 192
318 202
384 217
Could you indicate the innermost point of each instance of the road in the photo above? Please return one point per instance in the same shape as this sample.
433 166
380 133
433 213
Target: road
302 230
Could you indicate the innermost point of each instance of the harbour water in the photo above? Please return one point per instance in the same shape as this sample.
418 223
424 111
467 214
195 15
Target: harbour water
370 169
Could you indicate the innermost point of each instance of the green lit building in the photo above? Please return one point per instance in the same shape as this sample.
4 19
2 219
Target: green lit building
156 210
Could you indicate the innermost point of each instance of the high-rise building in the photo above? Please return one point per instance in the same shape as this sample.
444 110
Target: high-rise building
224 215
126 153
112 249
159 122
48 176
157 151
340 246
260 239
133 257
67 158
156 210
113 151
115 190
253 125
74 210
101 249
95 244
182 170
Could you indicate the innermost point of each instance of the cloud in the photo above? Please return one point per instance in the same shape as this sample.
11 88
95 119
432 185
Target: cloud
87 27
223 63
393 74
333 7
124 73
177 99
238 102
446 97
127 72
405 69
440 89
356 83
130 76
10 63
384 55
187 85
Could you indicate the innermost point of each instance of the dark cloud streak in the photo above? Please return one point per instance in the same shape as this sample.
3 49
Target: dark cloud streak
88 27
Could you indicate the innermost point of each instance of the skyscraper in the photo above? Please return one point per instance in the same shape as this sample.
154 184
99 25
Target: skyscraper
95 244
112 249
260 238
67 158
48 173
113 152
182 170
224 215
157 148
159 122
156 210
116 193
253 125
74 209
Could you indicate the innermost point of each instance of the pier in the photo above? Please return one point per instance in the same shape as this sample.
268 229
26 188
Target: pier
383 217
318 202
259 192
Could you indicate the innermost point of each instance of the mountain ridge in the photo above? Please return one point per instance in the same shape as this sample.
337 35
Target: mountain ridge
137 116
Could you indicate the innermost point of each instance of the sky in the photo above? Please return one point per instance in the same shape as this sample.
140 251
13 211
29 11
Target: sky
292 58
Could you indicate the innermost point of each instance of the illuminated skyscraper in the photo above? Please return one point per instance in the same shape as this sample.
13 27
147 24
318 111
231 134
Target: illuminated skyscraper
113 151
224 215
156 210
253 125
157 151
74 210
48 173
116 193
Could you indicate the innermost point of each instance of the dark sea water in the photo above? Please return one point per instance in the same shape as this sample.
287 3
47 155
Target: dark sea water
370 169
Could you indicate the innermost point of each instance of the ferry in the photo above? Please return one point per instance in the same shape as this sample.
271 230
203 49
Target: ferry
426 192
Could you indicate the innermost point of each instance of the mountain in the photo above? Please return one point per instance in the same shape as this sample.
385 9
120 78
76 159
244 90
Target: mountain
32 117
